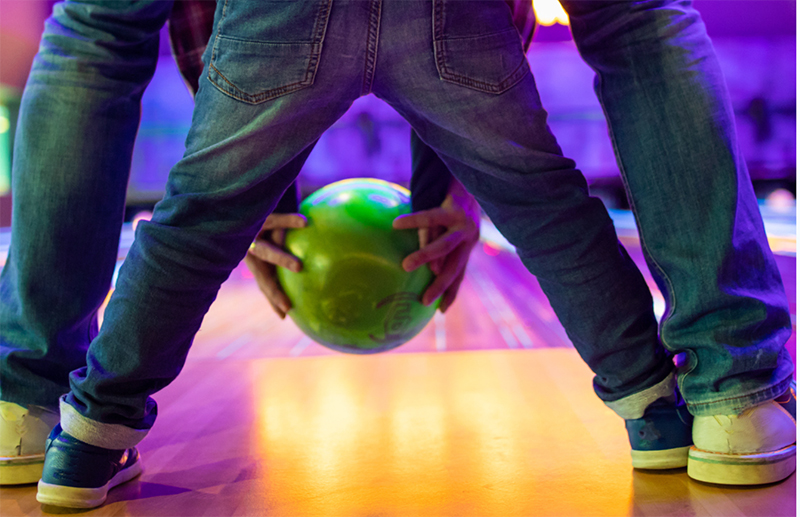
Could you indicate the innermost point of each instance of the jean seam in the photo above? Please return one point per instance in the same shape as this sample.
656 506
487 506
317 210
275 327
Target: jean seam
371 55
483 86
320 30
219 32
635 211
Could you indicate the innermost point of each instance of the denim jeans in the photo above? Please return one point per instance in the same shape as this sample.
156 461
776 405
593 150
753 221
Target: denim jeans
78 120
460 97
77 123
672 128
272 85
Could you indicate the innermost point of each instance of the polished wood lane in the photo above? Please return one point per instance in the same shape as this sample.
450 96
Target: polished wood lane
488 412
473 433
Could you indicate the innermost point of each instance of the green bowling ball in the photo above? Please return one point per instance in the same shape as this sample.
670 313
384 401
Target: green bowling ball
352 294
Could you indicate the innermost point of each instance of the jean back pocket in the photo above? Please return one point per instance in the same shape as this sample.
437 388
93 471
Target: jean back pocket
477 46
259 58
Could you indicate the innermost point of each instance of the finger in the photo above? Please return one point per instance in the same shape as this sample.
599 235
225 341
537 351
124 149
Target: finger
454 266
268 252
439 248
266 279
437 264
424 236
278 236
284 221
433 217
449 295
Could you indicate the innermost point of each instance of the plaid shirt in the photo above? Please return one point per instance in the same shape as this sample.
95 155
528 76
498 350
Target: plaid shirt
190 26
192 22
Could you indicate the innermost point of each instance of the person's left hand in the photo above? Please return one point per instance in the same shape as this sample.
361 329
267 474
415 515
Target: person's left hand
267 252
447 235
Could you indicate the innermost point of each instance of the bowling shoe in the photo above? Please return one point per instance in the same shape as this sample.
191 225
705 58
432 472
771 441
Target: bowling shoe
23 433
661 438
79 475
754 447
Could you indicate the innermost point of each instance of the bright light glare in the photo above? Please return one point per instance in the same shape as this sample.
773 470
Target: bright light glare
5 125
549 12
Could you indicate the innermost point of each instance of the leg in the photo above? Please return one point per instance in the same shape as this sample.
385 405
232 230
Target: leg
493 137
430 178
78 121
246 127
672 127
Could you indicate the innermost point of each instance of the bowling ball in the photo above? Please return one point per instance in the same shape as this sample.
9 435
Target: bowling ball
352 294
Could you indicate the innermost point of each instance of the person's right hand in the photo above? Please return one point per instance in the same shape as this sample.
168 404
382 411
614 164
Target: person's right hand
267 252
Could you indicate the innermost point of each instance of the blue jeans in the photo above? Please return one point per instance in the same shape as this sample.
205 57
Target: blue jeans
534 194
77 124
672 128
272 85
78 120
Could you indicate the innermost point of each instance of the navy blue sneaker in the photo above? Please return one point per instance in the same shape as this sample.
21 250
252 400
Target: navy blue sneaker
79 475
662 437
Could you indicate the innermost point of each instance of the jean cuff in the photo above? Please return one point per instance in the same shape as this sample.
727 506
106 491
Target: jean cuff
633 406
107 436
737 405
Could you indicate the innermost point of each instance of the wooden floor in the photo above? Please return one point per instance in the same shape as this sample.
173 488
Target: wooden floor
489 411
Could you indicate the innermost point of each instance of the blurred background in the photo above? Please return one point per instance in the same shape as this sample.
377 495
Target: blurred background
755 41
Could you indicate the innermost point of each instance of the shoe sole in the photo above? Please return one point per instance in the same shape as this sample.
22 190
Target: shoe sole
742 469
73 497
660 460
21 470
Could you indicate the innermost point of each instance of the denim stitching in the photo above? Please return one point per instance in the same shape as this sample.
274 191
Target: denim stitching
634 210
372 46
445 75
219 32
313 61
761 395
503 86
319 36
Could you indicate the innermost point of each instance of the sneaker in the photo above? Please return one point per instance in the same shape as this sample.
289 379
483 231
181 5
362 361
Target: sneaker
752 448
79 475
23 433
662 437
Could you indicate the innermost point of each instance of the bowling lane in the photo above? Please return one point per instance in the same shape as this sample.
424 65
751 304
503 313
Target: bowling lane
471 433
262 421
500 306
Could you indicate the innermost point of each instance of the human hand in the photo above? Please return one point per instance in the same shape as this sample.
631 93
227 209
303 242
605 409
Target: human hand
267 252
447 235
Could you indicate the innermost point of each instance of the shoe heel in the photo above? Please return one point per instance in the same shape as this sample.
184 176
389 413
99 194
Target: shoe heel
744 469
21 473
75 497
660 460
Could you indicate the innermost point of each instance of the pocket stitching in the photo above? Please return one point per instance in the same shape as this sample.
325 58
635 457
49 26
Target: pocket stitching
439 41
463 80
320 30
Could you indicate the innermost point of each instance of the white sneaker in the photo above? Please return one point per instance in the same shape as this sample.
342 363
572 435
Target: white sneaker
23 433
753 448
